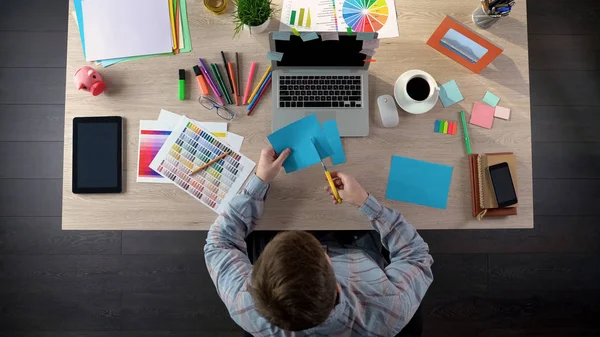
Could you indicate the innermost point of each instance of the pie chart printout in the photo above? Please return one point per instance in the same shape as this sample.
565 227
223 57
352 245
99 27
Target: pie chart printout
365 15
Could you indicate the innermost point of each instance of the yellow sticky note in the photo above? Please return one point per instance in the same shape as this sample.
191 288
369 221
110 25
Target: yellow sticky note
445 127
295 31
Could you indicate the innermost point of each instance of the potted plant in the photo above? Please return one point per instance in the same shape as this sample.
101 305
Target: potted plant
254 14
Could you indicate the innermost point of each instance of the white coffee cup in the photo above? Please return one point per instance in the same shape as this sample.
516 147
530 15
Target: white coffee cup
416 92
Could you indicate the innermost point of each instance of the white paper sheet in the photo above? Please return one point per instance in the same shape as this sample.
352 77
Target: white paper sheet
235 141
123 28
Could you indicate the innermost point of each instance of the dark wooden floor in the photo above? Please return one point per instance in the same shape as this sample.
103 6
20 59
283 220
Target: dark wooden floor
501 283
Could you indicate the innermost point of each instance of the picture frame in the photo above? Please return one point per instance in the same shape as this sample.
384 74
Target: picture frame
463 45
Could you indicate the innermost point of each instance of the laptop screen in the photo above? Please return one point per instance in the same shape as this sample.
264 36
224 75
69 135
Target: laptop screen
318 53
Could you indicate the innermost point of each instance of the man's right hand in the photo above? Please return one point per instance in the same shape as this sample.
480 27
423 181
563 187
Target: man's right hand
349 189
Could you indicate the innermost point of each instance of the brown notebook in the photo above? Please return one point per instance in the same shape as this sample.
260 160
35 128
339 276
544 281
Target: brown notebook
476 170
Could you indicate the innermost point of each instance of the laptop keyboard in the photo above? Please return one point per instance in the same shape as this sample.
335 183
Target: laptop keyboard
320 91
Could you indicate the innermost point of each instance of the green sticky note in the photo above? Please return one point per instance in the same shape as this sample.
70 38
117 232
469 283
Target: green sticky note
281 36
349 30
491 99
365 36
295 31
274 56
309 36
441 129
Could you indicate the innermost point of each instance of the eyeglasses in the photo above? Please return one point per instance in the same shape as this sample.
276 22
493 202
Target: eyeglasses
222 111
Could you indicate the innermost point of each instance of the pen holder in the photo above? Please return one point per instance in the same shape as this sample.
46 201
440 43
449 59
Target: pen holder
481 19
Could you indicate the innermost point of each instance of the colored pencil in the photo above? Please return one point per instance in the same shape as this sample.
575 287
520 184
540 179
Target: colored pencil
219 77
209 78
249 82
236 95
262 80
237 74
262 87
228 75
209 163
259 96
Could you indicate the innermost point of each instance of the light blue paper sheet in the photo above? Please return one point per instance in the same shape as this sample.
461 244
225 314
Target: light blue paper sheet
450 94
419 182
297 136
333 137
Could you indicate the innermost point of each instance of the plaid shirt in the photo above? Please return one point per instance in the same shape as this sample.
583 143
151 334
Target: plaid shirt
373 301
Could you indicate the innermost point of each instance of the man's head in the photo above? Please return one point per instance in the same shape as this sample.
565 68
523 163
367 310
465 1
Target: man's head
293 284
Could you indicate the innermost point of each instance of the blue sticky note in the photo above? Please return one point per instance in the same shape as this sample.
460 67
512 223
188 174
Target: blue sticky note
309 36
274 56
365 36
333 137
419 182
282 36
297 136
450 94
436 126
491 99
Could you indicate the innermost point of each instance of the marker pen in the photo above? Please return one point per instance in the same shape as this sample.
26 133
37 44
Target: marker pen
201 80
181 84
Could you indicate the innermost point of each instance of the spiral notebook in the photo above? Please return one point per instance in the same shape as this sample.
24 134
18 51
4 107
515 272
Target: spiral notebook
483 199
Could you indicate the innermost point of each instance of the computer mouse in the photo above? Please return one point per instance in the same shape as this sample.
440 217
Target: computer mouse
388 111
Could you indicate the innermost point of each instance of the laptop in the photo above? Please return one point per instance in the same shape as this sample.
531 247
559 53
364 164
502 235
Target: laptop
326 78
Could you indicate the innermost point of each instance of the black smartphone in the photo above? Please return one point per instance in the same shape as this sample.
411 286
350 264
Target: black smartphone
97 154
503 186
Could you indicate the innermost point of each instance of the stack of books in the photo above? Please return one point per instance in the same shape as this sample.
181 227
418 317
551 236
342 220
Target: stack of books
483 198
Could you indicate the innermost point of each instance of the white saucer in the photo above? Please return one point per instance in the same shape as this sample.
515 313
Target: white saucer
408 104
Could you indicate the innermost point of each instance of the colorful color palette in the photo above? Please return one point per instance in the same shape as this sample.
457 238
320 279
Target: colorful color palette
189 147
445 127
152 136
365 15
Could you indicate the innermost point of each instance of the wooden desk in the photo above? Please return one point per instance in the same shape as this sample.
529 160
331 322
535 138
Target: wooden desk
139 89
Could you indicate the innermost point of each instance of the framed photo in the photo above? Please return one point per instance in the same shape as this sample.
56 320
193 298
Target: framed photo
463 45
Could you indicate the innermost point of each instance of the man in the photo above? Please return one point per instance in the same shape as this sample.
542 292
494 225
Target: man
298 287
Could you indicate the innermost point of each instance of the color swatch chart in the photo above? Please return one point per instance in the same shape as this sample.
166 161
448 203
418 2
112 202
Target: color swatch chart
445 127
189 147
300 17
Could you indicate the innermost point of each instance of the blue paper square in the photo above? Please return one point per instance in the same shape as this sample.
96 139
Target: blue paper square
333 137
450 94
419 182
297 136
491 99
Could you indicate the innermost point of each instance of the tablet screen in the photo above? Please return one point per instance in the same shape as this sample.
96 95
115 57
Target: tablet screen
97 155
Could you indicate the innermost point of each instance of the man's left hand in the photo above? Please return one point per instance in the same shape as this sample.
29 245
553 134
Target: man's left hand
270 164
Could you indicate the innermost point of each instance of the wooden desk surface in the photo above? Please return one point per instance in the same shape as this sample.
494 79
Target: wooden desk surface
139 89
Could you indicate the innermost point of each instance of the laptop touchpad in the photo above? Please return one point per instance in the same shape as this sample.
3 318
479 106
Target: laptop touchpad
323 116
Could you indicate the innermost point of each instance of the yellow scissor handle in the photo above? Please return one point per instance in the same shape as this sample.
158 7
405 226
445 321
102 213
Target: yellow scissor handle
333 189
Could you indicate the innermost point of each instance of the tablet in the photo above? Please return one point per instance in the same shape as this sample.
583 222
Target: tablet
97 154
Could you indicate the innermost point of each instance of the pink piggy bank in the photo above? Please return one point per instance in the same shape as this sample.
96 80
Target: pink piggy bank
88 79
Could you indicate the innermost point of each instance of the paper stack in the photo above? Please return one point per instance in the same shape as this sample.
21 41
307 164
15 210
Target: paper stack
113 31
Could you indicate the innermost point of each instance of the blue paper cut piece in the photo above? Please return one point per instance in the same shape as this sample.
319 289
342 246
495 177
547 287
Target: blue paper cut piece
365 36
419 182
297 136
309 36
282 36
491 99
333 137
450 94
274 56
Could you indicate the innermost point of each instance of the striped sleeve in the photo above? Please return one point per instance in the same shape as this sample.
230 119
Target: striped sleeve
225 251
410 266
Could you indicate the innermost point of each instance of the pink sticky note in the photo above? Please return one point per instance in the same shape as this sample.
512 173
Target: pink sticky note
482 115
502 112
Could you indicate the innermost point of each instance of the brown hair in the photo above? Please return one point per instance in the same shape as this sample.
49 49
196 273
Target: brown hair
293 284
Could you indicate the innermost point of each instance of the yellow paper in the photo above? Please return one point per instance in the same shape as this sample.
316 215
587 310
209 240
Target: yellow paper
172 24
